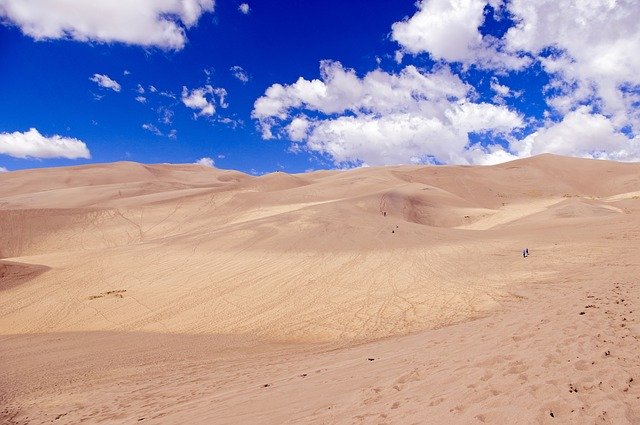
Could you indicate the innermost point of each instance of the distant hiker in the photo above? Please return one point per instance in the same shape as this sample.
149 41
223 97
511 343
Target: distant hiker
384 213
526 250
524 253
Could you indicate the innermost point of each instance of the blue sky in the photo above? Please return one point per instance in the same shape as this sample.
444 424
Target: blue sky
302 85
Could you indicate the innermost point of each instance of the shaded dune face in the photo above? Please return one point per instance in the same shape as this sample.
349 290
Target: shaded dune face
312 257
14 274
420 208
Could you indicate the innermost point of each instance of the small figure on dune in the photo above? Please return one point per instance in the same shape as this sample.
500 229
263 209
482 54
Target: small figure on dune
524 253
526 250
384 213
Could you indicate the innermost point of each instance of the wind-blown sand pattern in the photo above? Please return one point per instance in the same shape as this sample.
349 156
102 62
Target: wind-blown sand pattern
181 294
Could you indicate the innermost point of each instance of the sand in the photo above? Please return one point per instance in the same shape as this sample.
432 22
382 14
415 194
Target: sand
181 293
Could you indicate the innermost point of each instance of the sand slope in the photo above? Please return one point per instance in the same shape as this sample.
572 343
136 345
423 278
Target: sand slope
131 256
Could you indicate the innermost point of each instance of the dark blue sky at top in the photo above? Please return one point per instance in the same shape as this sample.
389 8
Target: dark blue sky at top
45 84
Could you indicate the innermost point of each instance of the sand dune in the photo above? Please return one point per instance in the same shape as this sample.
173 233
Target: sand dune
188 288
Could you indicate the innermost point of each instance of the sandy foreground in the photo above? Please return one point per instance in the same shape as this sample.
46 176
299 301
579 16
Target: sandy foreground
181 294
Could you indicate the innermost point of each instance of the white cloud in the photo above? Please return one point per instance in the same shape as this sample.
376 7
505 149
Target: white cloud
233 123
142 22
165 115
222 95
105 82
449 30
152 128
382 118
416 116
500 89
3 170
239 73
166 94
140 89
592 43
173 134
201 99
32 144
141 99
403 137
126 72
502 92
297 128
340 90
584 46
581 133
206 162
196 99
490 155
244 8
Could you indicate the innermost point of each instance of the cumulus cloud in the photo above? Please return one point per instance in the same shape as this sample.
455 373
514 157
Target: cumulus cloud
416 116
205 162
156 23
590 52
580 133
32 144
298 128
381 118
141 99
3 170
340 90
244 8
239 73
105 82
583 46
203 99
195 99
449 30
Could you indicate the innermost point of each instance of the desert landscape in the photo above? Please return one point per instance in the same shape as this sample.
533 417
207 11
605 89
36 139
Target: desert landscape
133 293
